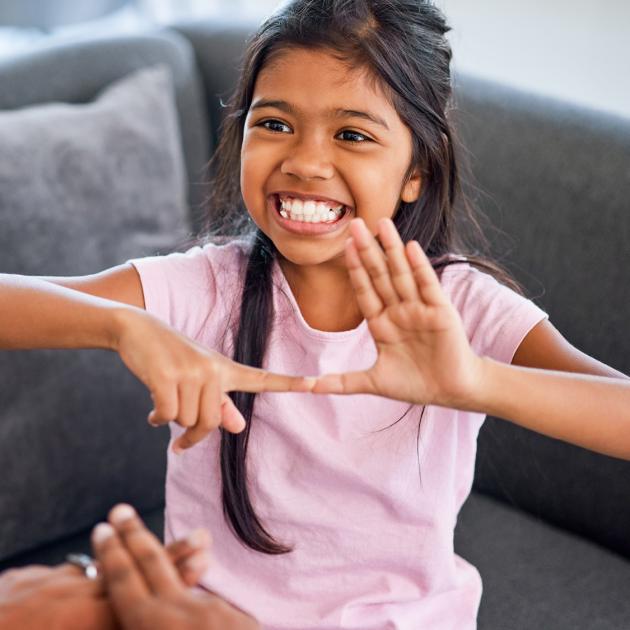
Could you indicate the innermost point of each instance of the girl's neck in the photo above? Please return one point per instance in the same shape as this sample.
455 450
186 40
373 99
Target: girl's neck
324 295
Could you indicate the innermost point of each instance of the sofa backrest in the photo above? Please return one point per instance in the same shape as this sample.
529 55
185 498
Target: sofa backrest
556 180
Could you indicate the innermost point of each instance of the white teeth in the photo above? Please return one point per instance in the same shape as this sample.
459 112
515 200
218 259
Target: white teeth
309 211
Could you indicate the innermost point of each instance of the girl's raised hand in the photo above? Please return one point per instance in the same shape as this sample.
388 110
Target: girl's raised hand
189 383
424 356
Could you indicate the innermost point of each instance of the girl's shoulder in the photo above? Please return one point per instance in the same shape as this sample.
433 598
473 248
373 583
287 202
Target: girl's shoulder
460 275
473 290
222 258
223 250
496 318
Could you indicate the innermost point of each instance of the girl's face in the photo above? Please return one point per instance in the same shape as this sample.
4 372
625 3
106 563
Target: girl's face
330 135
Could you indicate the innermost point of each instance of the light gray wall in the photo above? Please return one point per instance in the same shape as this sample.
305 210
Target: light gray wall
49 14
573 49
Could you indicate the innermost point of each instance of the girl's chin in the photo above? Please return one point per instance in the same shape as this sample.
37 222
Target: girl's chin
308 255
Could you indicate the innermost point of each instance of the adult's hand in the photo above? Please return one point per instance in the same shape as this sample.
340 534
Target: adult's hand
144 588
36 597
55 598
190 555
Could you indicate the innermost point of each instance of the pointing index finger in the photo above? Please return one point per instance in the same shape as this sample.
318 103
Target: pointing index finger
245 378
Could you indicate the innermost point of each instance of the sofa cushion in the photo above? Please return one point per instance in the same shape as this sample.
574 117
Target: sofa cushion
81 175
56 552
76 71
538 576
83 188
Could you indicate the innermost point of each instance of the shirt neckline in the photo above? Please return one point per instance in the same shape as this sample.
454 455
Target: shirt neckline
315 333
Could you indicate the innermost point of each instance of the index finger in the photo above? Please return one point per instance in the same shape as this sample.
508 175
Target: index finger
244 378
125 585
146 551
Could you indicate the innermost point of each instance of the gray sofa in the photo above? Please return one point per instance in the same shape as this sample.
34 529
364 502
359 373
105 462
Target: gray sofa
547 523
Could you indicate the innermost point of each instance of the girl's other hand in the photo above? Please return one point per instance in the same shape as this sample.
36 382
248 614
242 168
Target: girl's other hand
143 587
189 383
424 356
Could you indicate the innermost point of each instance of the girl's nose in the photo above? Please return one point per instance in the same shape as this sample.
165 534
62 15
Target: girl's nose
307 162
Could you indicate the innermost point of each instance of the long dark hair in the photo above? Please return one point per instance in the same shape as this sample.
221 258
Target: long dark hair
403 44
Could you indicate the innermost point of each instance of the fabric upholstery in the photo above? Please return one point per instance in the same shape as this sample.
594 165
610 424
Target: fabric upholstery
55 552
536 575
556 178
82 188
74 72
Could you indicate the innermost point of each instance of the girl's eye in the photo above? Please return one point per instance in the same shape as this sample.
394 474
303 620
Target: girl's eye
272 122
269 124
360 135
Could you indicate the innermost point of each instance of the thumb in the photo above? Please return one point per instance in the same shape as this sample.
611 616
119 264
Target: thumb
232 418
345 383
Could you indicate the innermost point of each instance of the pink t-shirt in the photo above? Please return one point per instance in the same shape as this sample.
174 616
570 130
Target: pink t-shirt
371 514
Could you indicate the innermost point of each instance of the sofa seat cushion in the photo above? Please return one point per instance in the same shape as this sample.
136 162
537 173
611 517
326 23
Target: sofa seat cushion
55 553
538 576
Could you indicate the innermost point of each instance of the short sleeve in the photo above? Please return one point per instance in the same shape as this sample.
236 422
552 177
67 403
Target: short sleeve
179 288
496 318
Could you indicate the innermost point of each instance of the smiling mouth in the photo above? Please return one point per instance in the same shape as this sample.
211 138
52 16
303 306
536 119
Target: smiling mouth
302 218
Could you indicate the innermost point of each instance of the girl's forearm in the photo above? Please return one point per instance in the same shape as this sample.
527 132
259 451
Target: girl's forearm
589 411
38 314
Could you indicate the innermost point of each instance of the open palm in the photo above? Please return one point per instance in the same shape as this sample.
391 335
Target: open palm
423 353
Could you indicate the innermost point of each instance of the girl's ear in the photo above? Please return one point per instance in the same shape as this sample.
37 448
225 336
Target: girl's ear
411 190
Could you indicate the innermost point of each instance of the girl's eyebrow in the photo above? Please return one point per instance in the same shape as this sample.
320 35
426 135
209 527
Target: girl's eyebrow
337 112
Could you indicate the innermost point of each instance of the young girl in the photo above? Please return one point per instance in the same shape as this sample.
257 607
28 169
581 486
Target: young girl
332 500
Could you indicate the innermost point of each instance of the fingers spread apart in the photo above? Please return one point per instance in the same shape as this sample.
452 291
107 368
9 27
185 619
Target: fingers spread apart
368 271
395 273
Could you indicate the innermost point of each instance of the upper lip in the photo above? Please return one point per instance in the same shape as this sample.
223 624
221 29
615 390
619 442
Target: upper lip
299 195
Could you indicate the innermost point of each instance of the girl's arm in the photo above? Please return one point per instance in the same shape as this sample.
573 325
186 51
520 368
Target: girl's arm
575 408
545 347
188 382
424 355
589 411
82 312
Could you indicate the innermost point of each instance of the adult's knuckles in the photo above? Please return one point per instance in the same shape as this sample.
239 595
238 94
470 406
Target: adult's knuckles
142 539
118 572
148 557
